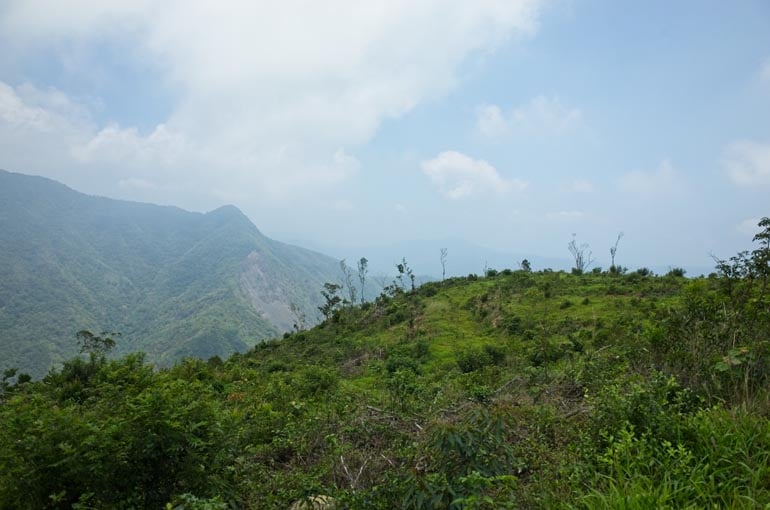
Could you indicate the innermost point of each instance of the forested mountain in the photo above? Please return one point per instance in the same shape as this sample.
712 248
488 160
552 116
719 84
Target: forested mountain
172 282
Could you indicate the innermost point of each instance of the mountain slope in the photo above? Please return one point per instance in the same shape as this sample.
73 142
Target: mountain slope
517 390
174 283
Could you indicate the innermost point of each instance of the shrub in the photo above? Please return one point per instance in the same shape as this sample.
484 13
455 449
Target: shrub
314 380
476 358
421 349
470 461
399 362
512 325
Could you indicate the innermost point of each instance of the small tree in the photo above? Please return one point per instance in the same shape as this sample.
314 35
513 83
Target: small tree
363 269
443 263
581 254
613 252
761 256
677 272
525 266
347 276
404 270
332 300
95 345
300 320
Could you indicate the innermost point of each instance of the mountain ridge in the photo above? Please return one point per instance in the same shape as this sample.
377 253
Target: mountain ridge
173 282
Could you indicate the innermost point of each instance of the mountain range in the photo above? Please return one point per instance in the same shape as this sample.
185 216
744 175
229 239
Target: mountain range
173 283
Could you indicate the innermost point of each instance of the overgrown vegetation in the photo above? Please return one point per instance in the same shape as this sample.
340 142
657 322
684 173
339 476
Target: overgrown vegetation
517 390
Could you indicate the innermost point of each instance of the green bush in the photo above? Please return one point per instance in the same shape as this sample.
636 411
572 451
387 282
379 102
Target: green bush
398 362
476 358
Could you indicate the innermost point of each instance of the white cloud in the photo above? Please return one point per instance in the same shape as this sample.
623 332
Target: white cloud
661 180
459 176
540 116
36 132
748 163
266 92
490 120
31 114
119 146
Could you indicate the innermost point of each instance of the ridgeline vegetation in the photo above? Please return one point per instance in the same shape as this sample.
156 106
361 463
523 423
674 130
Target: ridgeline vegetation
514 389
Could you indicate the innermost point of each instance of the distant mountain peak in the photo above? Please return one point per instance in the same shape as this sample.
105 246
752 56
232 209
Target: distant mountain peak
228 209
229 214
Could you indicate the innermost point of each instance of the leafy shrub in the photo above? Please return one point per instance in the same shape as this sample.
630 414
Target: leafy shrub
496 354
315 380
421 349
398 362
469 464
277 366
512 325
428 289
144 439
476 358
403 388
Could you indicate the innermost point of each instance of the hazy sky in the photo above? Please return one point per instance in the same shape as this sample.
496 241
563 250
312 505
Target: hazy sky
511 124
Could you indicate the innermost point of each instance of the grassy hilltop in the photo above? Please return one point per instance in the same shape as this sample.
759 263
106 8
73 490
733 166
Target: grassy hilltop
515 390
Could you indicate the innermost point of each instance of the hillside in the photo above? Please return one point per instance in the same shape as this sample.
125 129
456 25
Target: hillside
516 390
174 283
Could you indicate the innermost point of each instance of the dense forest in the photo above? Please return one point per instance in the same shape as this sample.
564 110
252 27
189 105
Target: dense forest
512 389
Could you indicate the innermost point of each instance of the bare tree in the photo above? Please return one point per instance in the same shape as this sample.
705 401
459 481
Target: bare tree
581 254
347 281
443 263
363 269
300 319
613 251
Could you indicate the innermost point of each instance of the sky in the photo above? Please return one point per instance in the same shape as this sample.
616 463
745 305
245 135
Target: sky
509 124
